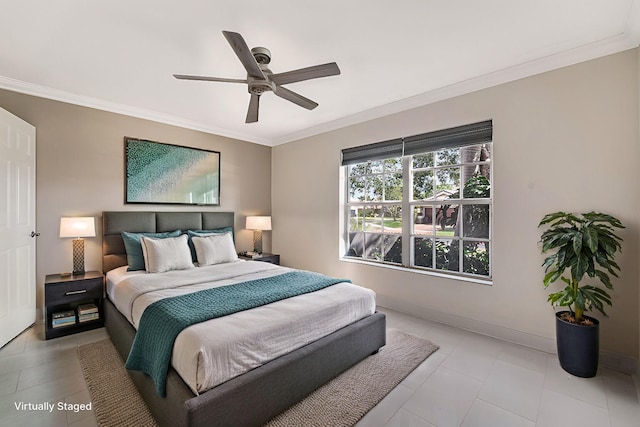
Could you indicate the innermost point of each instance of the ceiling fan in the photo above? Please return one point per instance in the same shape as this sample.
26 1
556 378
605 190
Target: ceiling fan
260 79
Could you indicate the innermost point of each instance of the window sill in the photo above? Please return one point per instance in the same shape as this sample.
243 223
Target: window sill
452 276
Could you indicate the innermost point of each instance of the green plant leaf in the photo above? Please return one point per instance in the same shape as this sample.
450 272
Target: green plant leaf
590 239
579 267
551 277
551 217
577 243
549 261
594 216
597 297
604 278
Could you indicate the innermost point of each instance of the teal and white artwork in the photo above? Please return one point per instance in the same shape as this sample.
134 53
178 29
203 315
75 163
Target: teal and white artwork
166 173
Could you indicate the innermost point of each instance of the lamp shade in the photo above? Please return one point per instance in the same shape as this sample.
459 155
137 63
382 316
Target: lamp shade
258 223
78 227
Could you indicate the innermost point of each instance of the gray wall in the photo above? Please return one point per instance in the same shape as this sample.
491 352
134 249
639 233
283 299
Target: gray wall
563 140
80 172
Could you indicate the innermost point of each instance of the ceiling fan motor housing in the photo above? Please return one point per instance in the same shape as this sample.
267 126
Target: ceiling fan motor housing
259 86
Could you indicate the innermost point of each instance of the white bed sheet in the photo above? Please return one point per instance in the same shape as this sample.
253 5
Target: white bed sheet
212 352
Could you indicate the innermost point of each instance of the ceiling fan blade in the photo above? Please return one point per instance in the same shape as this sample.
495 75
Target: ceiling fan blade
244 54
295 98
252 112
317 71
208 79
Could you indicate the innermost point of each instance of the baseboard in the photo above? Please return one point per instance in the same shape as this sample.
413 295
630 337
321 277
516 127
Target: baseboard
624 364
636 381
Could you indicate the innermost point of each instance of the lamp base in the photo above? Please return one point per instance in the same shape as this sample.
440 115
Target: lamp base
78 256
257 241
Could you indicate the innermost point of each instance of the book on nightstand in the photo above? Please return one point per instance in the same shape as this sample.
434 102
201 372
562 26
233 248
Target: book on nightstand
88 317
63 318
87 309
88 312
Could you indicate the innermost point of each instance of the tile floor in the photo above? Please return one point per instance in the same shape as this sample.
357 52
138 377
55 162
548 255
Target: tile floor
472 381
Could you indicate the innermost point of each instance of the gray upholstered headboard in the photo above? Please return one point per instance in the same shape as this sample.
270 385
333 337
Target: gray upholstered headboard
114 223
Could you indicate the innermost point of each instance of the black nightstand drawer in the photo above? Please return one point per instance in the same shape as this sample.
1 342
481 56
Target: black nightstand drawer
81 290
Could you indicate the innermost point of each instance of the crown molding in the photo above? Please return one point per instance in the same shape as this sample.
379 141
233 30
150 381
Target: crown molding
99 104
628 40
563 59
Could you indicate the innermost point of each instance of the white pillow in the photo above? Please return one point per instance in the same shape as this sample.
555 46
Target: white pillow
214 249
162 255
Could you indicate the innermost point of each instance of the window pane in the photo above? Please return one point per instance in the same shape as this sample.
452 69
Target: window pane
356 188
476 153
423 220
476 258
360 169
477 187
393 248
422 161
447 182
476 221
356 244
392 218
448 156
447 254
372 246
393 165
393 186
356 218
373 188
423 252
446 220
371 218
377 166
423 185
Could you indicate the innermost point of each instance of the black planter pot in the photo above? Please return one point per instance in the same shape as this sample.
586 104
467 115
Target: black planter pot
578 346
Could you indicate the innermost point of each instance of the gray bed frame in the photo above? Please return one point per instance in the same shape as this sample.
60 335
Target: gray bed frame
250 399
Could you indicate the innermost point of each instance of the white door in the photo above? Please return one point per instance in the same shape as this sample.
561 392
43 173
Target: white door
17 226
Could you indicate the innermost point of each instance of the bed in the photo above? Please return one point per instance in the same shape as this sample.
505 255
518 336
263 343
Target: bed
255 396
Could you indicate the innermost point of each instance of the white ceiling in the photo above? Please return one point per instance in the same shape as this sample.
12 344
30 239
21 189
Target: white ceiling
119 55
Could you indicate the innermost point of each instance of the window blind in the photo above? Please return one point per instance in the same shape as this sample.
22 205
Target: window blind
377 151
460 136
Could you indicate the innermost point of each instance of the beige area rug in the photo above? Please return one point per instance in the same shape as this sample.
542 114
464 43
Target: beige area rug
349 396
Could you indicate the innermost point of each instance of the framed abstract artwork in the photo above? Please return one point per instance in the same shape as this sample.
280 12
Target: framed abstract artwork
162 173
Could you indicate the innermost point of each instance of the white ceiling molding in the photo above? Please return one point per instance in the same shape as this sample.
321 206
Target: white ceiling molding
85 101
564 59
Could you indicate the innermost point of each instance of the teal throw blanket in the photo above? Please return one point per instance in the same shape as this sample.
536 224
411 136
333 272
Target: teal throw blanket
162 321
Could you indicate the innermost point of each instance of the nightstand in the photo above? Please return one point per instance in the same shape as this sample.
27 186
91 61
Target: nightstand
266 257
65 295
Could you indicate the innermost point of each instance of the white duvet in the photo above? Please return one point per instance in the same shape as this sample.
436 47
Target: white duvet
212 352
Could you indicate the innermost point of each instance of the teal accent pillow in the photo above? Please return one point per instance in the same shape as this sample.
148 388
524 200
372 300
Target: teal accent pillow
133 246
203 233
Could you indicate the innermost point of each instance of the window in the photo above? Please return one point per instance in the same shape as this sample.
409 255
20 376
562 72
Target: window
423 201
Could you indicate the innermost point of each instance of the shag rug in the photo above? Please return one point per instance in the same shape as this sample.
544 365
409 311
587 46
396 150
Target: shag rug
349 396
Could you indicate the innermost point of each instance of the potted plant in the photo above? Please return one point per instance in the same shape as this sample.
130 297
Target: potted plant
583 248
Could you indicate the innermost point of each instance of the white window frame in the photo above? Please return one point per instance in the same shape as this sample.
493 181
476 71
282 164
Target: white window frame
408 233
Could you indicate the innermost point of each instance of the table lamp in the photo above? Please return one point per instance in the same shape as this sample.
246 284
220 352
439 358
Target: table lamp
258 224
78 227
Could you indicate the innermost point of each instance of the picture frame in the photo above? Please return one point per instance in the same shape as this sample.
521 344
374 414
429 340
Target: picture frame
161 173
